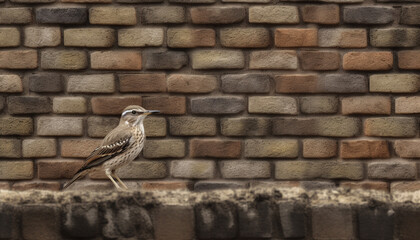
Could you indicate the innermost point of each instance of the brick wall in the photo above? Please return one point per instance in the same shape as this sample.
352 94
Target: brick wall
252 92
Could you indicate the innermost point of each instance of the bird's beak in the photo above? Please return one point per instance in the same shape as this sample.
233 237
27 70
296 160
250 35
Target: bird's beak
152 112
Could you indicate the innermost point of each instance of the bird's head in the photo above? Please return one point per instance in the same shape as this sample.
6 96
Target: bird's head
134 114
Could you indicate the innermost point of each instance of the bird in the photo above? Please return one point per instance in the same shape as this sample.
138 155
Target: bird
118 148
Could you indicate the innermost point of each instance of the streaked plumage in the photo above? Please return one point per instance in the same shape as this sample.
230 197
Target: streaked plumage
119 147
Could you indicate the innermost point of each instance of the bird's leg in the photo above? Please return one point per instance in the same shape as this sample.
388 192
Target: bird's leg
114 175
108 174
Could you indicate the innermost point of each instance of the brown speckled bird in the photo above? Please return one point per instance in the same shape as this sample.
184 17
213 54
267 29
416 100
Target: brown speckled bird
119 147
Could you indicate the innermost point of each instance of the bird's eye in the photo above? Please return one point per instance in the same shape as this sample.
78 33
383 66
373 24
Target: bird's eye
133 112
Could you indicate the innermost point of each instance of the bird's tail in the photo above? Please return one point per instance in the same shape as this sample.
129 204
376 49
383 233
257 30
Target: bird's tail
76 177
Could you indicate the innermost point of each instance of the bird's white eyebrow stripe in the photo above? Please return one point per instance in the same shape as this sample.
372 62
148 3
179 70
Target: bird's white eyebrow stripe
126 111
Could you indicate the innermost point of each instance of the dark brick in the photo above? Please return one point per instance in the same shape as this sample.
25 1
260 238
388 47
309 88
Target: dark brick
80 220
216 220
101 126
376 223
173 222
9 228
45 82
41 222
217 185
139 1
165 60
368 15
395 37
166 104
343 83
255 221
319 60
316 185
62 15
407 222
246 83
142 82
113 105
332 222
215 148
217 15
217 105
246 126
296 83
29 105
292 219
159 15
1 103
410 15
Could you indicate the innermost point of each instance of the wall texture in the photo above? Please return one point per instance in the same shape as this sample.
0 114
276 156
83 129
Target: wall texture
318 93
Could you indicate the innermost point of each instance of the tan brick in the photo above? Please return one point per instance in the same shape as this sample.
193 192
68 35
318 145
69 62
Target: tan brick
175 105
366 105
245 37
46 186
140 37
18 59
168 148
217 59
113 15
42 37
271 148
113 105
116 60
215 148
407 148
394 83
10 148
16 126
319 148
319 60
19 15
391 37
9 37
368 61
39 147
60 126
137 170
57 168
296 37
394 169
245 126
69 105
364 149
391 127
366 185
217 15
273 105
407 105
318 104
78 148
186 83
192 126
166 185
274 14
190 37
16 170
64 59
89 37
321 14
100 126
146 82
197 169
273 59
245 169
11 83
296 83
155 126
342 37
409 59
95 83
164 14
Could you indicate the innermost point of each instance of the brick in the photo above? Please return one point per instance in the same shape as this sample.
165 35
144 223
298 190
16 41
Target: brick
41 222
356 149
392 170
273 105
18 59
210 185
296 37
140 37
165 60
366 105
155 126
113 105
332 222
406 221
9 37
61 15
10 83
292 219
39 147
137 170
321 14
217 15
19 15
168 148
405 186
173 222
367 185
100 126
16 170
192 126
296 83
245 169
192 1
46 186
217 105
197 169
407 148
80 220
408 59
215 148
256 221
343 83
10 148
5 186
216 220
173 105
407 105
33 1
317 185
271 148
336 126
45 82
245 126
16 126
78 148
217 59
60 126
247 1
188 83
376 223
116 60
95 83
89 37
394 83
57 168
166 185
190 37
246 83
112 15
29 105
245 37
342 38
409 15
368 14
288 170
142 82
319 60
42 37
273 59
64 59
368 61
86 1
318 104
9 221
163 15
395 37
274 14
391 127
319 148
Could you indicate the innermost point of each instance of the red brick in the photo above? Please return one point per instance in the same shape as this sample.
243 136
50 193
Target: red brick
321 14
78 148
295 37
411 186
407 148
366 185
113 105
166 104
190 38
142 82
409 59
366 105
166 185
296 83
49 186
245 37
57 169
18 59
215 148
319 60
364 149
116 60
368 61
319 148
